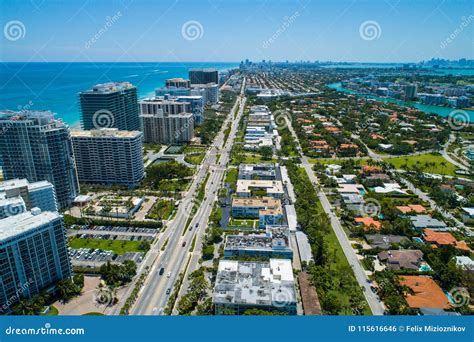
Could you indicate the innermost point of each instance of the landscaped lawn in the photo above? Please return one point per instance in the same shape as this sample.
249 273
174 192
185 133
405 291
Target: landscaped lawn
194 149
53 311
117 246
243 223
251 159
430 163
195 158
161 210
231 175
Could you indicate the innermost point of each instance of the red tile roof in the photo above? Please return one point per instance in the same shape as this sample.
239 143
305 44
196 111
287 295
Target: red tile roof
426 293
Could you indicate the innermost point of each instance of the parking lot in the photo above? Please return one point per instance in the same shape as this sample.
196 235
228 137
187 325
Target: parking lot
113 233
87 257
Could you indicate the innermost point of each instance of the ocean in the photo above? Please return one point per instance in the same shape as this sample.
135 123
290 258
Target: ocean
55 86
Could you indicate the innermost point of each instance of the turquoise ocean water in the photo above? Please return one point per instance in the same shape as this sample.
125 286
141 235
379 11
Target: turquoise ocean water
55 86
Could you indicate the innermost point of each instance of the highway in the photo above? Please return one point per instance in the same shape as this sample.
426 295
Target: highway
376 306
157 289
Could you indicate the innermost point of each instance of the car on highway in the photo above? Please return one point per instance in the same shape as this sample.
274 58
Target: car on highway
169 274
168 291
162 270
183 244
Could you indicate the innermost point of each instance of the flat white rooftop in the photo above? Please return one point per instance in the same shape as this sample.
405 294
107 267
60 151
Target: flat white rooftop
21 223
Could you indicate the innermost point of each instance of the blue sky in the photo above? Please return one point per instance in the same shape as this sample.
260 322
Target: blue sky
232 30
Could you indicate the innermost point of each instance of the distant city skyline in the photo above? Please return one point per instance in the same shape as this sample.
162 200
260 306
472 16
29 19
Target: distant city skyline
187 31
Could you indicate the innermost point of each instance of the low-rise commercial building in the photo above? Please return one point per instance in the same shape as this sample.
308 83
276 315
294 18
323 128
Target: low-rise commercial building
257 171
275 243
267 209
246 187
246 285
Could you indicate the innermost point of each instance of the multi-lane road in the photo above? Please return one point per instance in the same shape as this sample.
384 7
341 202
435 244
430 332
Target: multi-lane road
376 306
176 239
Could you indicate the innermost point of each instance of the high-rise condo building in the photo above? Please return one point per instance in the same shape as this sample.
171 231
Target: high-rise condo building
110 105
166 121
33 255
203 76
109 156
36 146
178 83
209 92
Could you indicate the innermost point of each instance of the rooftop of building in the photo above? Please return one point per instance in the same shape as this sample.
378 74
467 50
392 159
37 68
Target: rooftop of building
444 238
426 221
39 117
109 87
255 283
264 202
384 241
21 223
426 293
21 183
402 258
272 186
368 222
276 237
106 133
